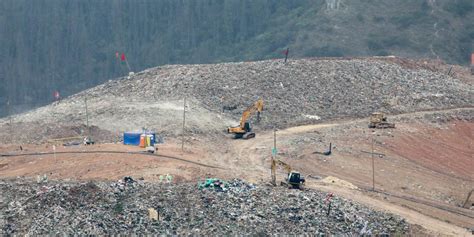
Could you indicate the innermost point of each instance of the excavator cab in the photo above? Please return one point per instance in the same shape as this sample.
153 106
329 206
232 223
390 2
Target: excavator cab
247 134
295 179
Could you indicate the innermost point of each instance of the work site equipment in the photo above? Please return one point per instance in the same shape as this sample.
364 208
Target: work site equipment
379 120
294 178
244 130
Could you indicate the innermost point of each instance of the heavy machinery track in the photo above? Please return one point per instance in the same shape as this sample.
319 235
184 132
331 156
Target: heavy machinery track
423 202
110 152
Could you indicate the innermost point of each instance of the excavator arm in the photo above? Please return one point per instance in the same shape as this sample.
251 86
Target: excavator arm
276 162
294 179
242 128
258 106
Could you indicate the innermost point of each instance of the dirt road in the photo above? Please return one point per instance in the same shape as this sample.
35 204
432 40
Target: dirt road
398 173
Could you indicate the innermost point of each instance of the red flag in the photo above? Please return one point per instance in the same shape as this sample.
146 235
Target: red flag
472 59
117 54
56 95
123 57
285 52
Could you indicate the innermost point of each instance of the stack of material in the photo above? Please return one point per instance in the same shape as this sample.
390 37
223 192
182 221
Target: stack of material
100 208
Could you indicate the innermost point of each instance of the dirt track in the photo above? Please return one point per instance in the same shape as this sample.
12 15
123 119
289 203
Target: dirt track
249 159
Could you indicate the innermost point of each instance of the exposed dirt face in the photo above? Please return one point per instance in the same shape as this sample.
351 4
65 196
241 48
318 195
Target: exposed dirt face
108 166
448 150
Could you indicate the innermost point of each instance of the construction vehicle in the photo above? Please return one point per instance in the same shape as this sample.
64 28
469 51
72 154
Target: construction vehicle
244 129
379 120
294 178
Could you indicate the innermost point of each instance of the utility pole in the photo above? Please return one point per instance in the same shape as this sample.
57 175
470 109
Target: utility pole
274 150
373 134
373 163
184 122
87 118
274 139
11 120
273 164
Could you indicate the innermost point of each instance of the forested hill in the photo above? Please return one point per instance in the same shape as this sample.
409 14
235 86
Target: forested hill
69 45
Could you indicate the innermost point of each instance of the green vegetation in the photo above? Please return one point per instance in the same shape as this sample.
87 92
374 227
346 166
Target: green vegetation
459 8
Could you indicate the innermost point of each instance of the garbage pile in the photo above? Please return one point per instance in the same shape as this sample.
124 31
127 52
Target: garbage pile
223 186
302 91
213 183
136 207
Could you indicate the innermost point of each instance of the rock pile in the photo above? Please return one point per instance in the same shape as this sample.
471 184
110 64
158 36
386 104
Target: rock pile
122 208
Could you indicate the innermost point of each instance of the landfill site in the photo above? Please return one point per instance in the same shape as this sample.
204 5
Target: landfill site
319 146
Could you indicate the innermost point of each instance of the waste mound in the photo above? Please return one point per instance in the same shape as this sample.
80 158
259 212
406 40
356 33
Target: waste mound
301 91
225 207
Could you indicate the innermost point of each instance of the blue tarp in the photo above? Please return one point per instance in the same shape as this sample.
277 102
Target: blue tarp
133 138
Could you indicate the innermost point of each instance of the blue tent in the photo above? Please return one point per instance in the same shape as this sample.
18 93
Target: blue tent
133 138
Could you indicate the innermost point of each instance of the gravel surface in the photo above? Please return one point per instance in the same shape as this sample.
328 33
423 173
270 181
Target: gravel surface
33 208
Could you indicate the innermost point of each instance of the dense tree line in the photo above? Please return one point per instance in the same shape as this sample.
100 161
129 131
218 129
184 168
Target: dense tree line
70 45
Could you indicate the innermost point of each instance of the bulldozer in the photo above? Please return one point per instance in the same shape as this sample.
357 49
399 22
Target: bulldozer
244 130
294 178
379 120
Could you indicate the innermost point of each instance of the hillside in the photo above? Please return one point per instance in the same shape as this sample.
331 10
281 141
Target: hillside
304 91
70 45
412 186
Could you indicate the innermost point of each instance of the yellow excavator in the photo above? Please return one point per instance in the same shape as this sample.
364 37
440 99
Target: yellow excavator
294 179
244 130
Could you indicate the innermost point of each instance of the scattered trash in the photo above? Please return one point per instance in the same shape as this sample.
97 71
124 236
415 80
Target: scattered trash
141 208
41 179
128 180
168 178
214 183
88 141
73 143
152 214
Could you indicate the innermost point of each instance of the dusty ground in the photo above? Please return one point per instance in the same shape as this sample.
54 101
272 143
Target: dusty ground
424 174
